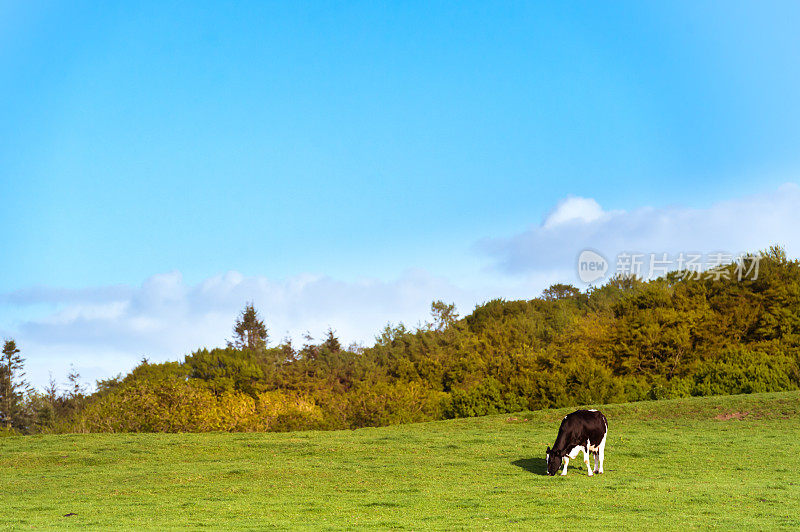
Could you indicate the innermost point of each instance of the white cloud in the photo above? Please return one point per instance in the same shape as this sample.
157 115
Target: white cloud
166 318
746 224
573 209
48 295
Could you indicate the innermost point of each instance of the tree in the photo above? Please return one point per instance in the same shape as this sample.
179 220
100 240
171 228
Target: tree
444 315
249 332
51 391
288 353
44 406
12 384
331 342
559 291
309 351
75 389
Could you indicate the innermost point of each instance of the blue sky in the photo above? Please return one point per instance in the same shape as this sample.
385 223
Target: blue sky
384 154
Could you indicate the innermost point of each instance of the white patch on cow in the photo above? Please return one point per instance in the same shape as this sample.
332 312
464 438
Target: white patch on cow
574 452
592 410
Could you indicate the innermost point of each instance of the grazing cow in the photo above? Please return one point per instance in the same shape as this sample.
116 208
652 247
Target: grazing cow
582 430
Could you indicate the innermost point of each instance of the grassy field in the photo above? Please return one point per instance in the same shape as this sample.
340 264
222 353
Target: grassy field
726 462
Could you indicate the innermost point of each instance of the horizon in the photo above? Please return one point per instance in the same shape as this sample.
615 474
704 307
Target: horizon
342 167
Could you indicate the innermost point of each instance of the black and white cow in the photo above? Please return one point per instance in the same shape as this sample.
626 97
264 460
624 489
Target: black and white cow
582 430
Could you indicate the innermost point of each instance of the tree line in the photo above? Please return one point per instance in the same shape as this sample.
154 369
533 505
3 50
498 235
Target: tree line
627 340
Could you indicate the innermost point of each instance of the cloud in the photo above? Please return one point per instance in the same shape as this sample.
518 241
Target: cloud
573 209
48 295
746 224
104 331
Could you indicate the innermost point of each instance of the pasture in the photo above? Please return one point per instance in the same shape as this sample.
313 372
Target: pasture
724 462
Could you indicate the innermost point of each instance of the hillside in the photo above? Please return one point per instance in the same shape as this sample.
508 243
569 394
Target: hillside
728 462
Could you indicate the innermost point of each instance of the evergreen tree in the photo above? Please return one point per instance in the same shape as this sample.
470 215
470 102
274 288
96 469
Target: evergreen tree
43 407
51 391
444 315
288 353
249 332
75 389
12 384
331 342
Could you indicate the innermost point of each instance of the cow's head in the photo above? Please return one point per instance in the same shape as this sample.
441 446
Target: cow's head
553 461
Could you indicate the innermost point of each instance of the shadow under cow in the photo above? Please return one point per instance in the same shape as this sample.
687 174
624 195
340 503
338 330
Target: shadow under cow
537 466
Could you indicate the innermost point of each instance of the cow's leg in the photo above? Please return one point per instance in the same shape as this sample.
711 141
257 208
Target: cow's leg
586 460
601 451
566 463
596 455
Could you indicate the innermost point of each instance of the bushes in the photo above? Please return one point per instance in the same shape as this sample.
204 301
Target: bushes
742 370
390 403
488 397
226 370
149 405
173 405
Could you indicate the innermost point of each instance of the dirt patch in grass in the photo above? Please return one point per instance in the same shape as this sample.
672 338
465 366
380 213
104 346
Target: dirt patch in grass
731 415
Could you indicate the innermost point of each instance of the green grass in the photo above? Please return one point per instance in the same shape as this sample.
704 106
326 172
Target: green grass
726 462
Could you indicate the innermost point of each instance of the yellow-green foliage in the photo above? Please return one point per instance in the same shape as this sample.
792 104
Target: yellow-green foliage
173 405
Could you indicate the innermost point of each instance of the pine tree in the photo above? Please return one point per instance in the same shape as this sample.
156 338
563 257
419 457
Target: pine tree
331 342
249 332
12 384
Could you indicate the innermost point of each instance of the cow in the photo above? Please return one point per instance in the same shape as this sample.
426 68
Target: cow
582 430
